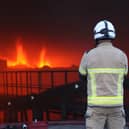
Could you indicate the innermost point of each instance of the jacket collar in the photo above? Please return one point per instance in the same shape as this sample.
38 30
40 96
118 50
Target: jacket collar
104 44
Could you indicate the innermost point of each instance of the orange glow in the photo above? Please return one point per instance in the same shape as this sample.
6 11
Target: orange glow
42 61
21 58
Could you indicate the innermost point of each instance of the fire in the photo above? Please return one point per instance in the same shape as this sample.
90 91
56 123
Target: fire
42 61
21 58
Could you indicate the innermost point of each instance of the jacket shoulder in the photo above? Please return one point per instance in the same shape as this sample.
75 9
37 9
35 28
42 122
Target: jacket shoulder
120 51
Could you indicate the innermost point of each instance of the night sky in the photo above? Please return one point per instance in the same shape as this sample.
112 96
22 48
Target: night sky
63 27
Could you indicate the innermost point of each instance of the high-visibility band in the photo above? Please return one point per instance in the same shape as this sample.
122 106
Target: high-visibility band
120 84
93 84
82 71
119 71
126 71
104 101
106 70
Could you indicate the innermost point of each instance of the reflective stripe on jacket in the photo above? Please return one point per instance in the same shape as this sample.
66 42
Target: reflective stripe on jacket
105 67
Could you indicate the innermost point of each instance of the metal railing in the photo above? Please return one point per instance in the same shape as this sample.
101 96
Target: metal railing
14 84
18 83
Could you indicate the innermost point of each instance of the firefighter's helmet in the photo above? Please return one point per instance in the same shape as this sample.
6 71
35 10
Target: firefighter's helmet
104 30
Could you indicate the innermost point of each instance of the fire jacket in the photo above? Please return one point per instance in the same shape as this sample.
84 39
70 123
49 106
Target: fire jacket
105 67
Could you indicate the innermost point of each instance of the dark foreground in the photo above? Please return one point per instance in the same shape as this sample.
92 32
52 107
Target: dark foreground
48 125
66 125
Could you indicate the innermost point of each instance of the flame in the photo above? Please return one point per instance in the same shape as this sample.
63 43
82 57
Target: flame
42 61
21 58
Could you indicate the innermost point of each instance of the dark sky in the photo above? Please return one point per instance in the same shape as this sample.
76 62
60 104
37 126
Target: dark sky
64 27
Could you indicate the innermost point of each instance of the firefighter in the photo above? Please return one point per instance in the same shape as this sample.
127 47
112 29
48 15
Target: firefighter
105 67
